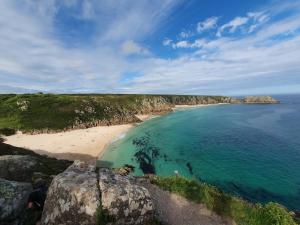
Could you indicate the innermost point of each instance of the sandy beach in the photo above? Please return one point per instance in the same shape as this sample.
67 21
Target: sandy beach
178 107
85 144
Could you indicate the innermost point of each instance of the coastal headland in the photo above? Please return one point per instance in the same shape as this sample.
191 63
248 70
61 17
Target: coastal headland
81 126
70 127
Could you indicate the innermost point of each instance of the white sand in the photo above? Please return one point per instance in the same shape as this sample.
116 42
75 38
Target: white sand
85 144
144 117
195 106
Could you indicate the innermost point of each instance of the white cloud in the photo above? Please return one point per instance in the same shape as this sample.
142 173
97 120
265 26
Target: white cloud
232 25
198 43
255 19
131 47
185 34
250 64
207 24
33 56
181 44
167 42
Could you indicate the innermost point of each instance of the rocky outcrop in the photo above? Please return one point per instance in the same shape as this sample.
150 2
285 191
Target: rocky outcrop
259 100
73 197
18 164
124 198
13 200
80 195
17 167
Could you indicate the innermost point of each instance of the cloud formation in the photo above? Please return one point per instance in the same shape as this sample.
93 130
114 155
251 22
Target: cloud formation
207 24
41 50
131 47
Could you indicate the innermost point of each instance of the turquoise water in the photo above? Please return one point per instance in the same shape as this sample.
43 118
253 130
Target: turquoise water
251 151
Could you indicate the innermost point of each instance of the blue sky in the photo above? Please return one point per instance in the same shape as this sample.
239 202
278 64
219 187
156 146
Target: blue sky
228 47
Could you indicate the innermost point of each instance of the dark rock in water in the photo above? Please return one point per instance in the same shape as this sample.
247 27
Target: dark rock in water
17 167
189 166
73 197
125 199
147 168
145 162
146 154
13 201
166 158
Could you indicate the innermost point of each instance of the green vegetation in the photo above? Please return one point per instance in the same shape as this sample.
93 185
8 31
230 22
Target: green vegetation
40 112
103 217
7 131
242 212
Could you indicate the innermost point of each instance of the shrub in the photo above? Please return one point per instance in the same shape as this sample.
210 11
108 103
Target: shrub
7 131
103 216
275 214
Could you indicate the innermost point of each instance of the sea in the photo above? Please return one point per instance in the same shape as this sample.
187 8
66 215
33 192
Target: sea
251 151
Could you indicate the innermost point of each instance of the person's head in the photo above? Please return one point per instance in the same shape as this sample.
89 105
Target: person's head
39 183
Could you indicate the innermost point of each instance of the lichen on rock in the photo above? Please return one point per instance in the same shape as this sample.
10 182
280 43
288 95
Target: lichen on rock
124 199
13 200
17 167
73 197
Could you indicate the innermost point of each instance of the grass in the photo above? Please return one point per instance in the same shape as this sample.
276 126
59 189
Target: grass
103 217
242 212
36 112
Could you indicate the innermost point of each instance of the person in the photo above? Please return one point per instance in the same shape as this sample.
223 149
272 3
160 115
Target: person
38 196
36 202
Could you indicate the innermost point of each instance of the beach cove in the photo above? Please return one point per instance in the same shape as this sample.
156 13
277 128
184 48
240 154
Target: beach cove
239 148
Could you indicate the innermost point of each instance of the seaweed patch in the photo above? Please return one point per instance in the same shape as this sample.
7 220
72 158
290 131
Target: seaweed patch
146 154
189 166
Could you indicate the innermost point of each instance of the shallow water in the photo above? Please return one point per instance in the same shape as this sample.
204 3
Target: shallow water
250 150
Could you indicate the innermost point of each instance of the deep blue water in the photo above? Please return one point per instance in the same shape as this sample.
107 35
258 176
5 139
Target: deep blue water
251 151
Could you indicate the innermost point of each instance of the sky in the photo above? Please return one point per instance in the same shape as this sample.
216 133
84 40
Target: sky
208 47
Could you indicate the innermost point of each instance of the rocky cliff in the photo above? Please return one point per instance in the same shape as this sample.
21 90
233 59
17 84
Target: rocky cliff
39 113
21 171
259 100
46 113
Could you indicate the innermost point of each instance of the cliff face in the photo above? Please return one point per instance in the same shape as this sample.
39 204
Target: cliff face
259 100
41 113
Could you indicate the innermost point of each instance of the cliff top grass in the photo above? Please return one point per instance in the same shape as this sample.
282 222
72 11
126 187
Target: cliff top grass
241 211
34 112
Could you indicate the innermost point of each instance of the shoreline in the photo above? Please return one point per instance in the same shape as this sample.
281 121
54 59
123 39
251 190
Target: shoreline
83 144
87 144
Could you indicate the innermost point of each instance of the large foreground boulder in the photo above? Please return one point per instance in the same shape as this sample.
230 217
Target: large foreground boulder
13 201
124 198
82 196
73 197
17 167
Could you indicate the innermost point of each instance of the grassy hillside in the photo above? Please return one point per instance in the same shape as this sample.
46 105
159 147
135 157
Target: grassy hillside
242 212
48 112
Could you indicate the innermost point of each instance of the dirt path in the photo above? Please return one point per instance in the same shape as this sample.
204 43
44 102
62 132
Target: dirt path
172 209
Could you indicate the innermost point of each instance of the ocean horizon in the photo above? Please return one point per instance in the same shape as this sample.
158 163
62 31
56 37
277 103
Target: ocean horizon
251 151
